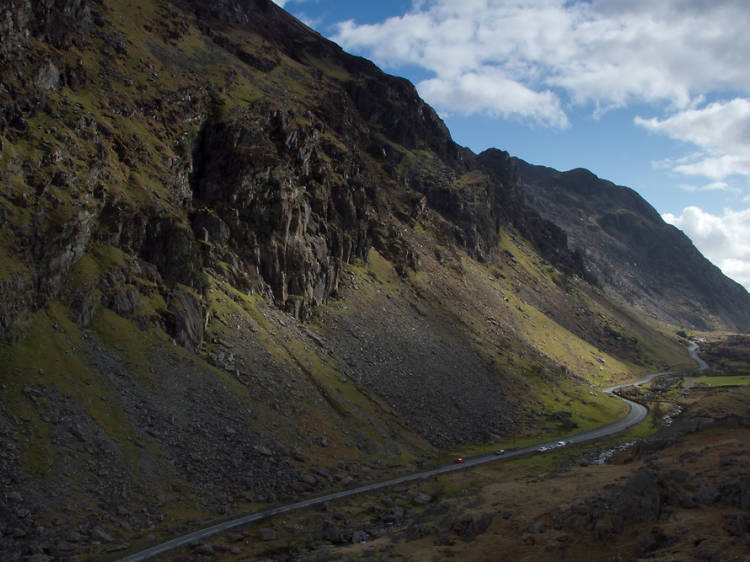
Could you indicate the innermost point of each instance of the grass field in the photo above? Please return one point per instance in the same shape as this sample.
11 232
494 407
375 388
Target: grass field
740 380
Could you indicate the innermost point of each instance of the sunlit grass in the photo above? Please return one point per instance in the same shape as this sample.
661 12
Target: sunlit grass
739 380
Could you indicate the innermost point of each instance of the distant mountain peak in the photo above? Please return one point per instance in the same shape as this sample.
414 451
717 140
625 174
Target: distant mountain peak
634 254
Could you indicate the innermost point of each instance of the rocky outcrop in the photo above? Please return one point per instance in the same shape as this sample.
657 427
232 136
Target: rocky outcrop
188 316
393 107
547 237
59 22
640 500
290 206
26 78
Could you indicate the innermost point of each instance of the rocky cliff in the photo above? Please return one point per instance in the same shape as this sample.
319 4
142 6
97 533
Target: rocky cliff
282 188
633 253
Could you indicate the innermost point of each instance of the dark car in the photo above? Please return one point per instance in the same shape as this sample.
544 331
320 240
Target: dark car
459 460
500 452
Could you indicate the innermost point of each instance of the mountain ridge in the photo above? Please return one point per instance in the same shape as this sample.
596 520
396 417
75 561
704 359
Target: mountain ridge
634 254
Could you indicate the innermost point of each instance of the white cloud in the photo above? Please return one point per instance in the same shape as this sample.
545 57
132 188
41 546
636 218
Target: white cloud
725 240
713 186
495 94
717 167
548 54
720 129
283 3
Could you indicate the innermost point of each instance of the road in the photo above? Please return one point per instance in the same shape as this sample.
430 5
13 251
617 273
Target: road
637 413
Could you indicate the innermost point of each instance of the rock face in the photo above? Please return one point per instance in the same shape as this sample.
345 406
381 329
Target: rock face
62 23
549 239
293 209
633 253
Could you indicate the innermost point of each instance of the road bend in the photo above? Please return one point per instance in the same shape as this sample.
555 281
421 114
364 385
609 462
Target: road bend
636 414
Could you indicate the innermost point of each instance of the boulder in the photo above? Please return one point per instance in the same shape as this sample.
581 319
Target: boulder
640 500
188 317
422 499
268 534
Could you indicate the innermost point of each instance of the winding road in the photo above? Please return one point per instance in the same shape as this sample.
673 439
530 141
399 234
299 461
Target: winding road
637 413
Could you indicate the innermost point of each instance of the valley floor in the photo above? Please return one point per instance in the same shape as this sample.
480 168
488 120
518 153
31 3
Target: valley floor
681 494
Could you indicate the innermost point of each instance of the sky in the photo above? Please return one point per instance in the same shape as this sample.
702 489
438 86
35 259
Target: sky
653 95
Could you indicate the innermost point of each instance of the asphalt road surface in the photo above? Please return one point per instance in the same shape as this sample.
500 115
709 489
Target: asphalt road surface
636 414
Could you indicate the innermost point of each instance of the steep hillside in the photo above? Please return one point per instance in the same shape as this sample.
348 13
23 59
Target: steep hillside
632 253
238 266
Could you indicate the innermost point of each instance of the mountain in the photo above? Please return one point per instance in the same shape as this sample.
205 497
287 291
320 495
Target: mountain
239 265
632 253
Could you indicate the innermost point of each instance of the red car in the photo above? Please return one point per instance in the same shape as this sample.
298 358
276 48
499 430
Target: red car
459 461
